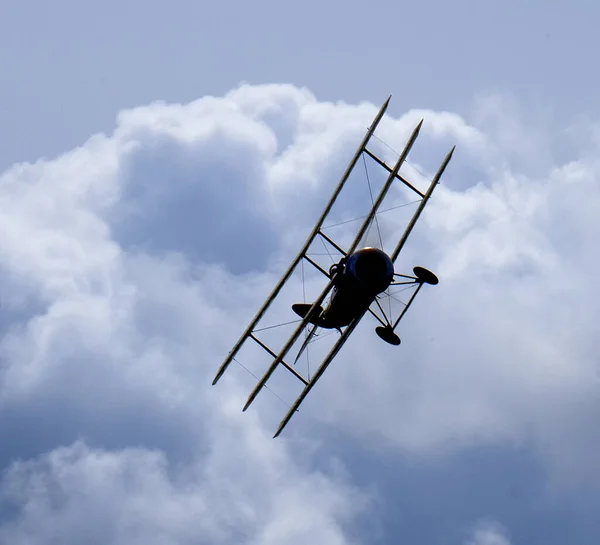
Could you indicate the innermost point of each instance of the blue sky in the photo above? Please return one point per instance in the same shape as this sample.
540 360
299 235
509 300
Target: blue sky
140 237
68 67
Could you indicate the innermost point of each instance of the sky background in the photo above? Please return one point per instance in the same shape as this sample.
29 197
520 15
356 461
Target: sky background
68 67
141 236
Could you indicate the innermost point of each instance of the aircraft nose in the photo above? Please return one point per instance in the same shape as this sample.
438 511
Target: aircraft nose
373 268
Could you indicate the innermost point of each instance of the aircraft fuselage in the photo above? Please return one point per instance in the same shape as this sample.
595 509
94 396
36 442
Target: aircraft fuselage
359 278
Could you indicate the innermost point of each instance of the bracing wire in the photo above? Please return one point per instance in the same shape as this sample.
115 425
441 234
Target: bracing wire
363 217
305 332
276 325
327 249
410 164
372 200
265 386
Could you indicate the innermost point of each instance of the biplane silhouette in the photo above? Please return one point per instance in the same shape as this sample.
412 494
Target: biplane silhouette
354 282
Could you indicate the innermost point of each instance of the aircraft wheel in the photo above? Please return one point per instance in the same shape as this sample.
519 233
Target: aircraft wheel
425 276
387 334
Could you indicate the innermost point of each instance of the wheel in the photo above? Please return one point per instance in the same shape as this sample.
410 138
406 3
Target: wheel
425 276
387 334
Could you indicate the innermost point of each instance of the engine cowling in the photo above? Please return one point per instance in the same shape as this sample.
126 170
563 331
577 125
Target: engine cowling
372 267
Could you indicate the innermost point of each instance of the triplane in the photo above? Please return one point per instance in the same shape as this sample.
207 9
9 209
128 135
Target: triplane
355 281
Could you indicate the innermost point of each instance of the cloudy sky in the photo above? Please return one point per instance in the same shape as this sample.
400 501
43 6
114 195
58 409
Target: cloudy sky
160 164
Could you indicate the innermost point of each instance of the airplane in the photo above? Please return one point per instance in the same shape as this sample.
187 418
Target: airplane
355 282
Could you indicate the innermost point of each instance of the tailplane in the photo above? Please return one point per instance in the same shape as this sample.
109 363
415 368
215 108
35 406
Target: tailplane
301 309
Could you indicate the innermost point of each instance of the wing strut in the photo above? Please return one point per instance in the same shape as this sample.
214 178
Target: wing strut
306 246
386 331
385 188
422 205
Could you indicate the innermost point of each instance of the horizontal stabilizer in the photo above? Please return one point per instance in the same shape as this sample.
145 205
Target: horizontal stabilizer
301 309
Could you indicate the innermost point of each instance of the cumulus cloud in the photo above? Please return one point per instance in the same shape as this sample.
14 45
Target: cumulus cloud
488 533
77 494
131 264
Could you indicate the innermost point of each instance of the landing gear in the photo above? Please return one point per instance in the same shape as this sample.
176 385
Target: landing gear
422 276
425 276
387 334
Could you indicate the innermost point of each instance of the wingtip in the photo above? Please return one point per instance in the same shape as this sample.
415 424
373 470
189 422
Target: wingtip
385 105
279 429
418 127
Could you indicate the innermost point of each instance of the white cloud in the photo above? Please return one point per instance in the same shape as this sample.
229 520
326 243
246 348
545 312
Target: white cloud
488 533
76 494
130 265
